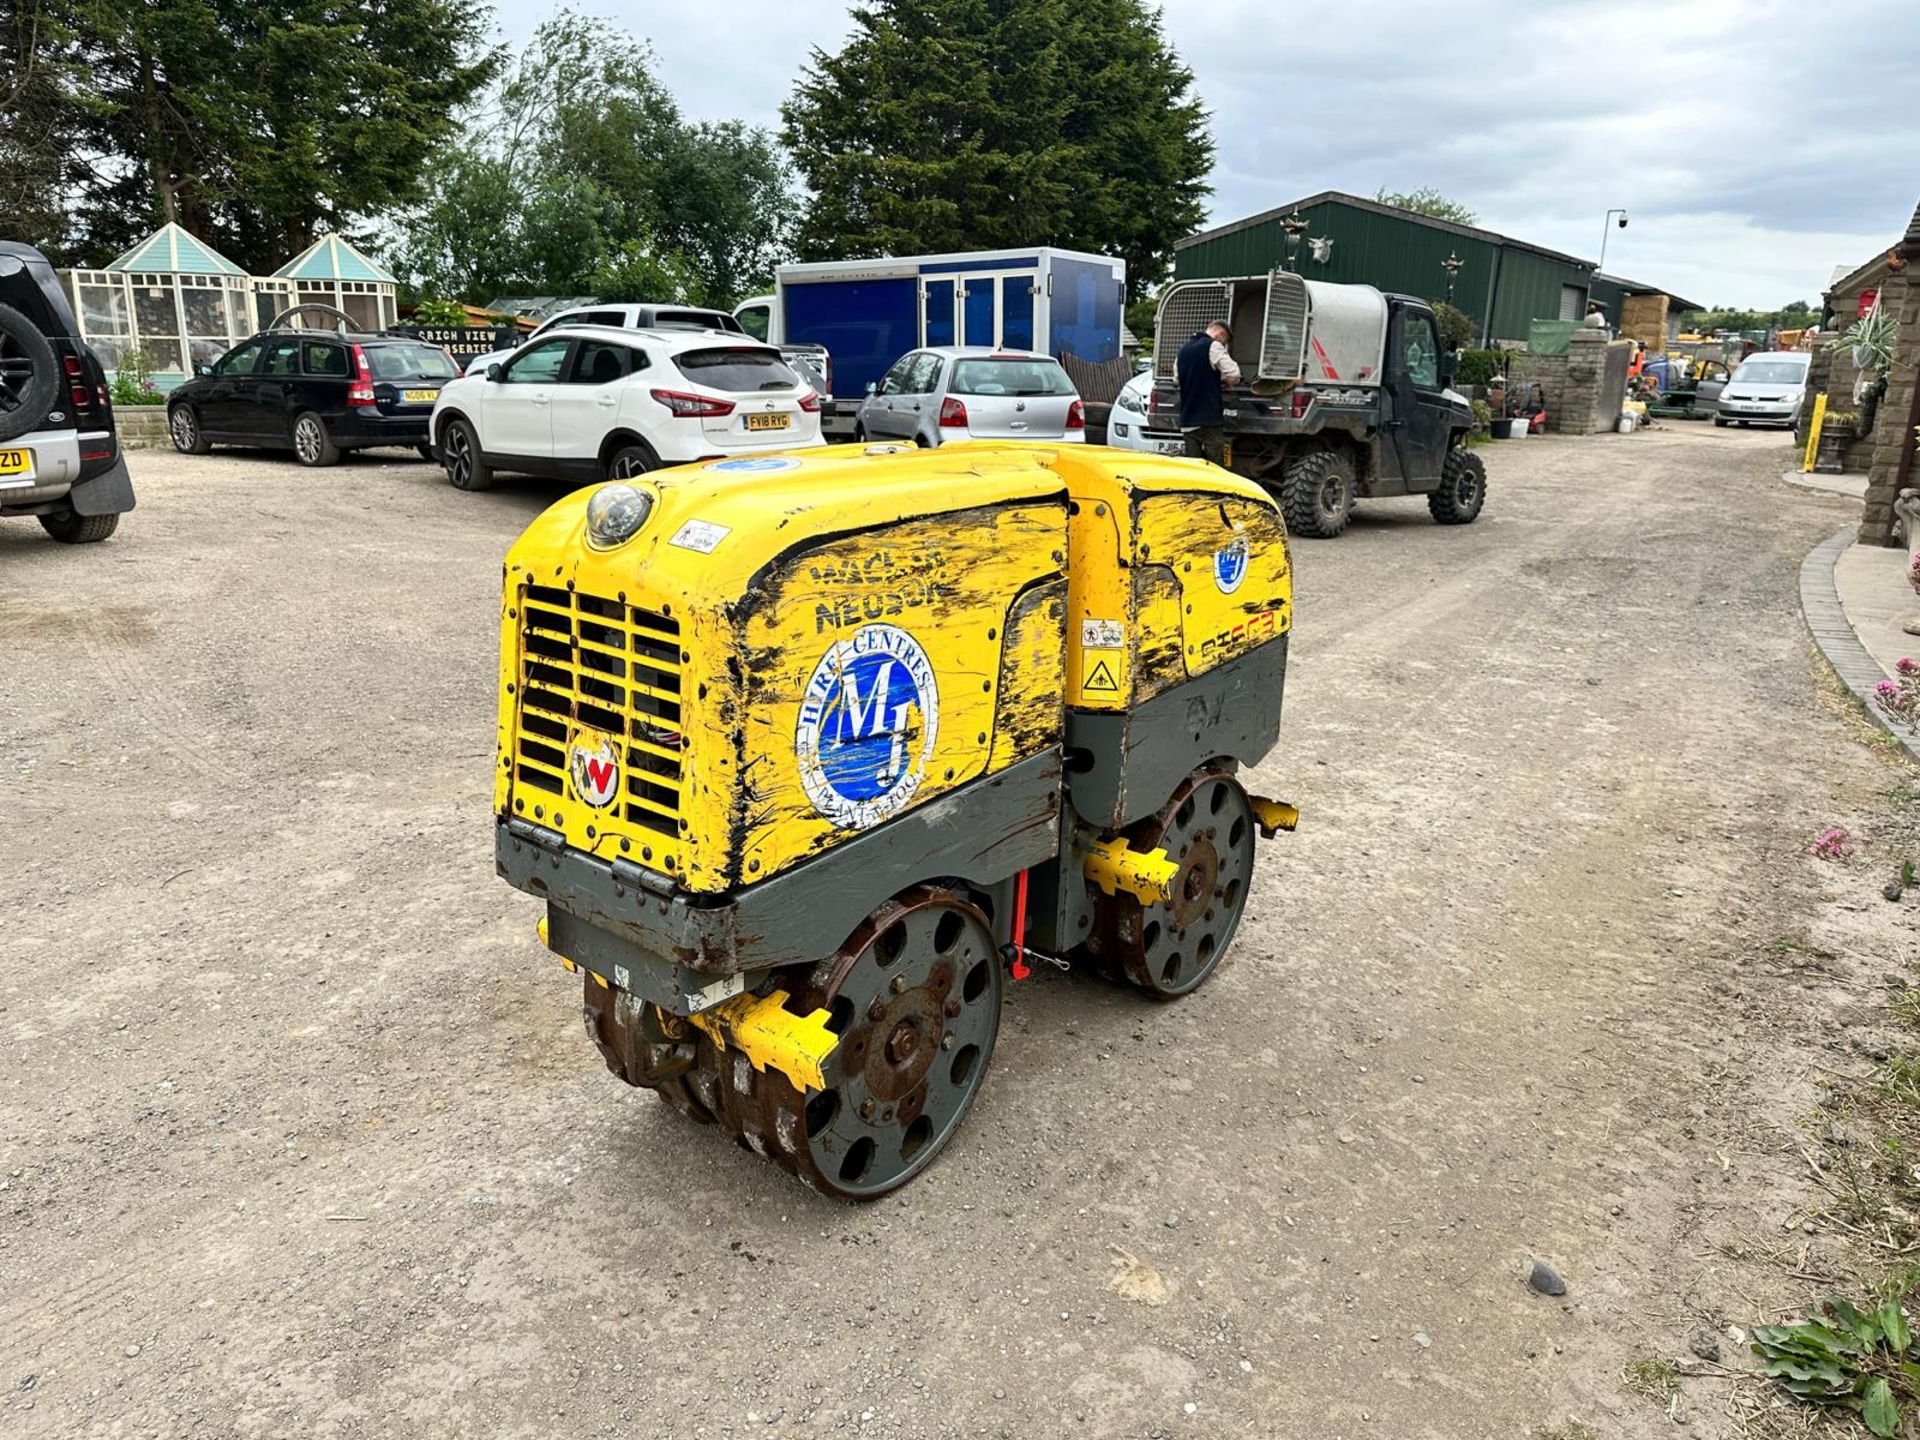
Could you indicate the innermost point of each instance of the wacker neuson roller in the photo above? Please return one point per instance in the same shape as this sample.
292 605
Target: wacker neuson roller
808 754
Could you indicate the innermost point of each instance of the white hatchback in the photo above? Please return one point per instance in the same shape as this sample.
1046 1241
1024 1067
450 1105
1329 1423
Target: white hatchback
598 403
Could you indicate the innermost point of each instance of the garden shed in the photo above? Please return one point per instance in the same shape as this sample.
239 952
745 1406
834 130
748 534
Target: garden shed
177 298
332 272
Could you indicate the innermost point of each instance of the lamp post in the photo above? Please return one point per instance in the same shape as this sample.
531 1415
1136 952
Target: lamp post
1604 227
1452 266
1295 225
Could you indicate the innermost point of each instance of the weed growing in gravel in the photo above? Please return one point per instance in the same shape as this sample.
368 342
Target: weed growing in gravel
1846 1357
1833 844
1654 1378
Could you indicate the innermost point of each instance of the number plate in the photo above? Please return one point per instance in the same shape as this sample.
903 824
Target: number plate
766 422
1171 447
16 465
419 397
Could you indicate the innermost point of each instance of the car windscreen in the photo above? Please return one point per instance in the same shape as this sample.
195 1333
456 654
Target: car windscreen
993 376
1770 372
694 320
737 370
409 362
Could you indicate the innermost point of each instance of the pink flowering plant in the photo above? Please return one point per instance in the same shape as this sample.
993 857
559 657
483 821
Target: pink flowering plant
1899 698
1833 844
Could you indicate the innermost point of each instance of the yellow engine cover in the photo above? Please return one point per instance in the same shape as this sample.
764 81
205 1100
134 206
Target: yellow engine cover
793 649
1177 567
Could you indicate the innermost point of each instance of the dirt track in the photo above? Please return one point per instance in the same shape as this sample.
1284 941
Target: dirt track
301 1135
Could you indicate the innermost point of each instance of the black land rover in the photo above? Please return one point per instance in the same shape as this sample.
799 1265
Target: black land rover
59 456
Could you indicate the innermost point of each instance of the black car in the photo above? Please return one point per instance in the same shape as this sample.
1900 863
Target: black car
314 392
59 455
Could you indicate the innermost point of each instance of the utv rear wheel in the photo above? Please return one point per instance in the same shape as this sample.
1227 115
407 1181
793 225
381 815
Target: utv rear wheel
28 374
460 453
183 426
1317 493
312 446
73 529
1463 489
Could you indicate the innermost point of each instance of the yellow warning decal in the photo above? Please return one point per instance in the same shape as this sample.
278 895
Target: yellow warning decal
1101 680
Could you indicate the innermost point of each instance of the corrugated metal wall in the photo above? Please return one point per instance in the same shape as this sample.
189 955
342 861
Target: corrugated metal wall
1501 287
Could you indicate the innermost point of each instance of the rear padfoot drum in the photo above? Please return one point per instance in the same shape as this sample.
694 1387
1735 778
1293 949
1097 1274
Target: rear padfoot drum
914 997
1169 948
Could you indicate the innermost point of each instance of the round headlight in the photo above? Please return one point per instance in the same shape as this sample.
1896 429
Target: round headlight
615 515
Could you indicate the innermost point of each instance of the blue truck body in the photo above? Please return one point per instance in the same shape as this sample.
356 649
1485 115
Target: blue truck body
868 313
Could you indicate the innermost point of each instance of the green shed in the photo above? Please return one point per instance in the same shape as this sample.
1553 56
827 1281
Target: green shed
1503 284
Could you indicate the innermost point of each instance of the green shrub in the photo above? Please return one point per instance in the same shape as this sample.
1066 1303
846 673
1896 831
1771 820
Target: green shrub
439 313
1477 367
132 380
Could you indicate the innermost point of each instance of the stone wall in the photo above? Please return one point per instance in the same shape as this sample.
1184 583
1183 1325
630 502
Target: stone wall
1581 387
1833 373
1893 435
141 427
1644 317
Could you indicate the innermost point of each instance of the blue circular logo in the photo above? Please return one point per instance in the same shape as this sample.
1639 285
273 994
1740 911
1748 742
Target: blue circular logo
1230 565
868 721
757 465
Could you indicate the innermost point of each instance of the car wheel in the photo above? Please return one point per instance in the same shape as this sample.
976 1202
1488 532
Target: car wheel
1720 422
29 374
70 528
630 461
183 425
460 454
312 446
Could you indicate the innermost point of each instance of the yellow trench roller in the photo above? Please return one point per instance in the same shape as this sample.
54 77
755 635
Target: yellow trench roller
808 754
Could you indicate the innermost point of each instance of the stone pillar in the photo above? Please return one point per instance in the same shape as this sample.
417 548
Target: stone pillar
1893 431
1580 404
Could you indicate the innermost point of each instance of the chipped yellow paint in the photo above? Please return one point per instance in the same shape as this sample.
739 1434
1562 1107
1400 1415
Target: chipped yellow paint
1144 534
1273 816
941 544
767 1033
1147 875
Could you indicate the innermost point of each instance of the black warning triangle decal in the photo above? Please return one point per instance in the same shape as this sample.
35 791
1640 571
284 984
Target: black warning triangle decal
1101 679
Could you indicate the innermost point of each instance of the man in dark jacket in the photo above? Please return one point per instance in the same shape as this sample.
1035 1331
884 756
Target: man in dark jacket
1202 368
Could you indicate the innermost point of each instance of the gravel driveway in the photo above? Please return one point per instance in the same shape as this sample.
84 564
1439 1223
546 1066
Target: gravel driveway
300 1135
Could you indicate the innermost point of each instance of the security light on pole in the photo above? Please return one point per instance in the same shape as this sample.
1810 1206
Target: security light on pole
1604 227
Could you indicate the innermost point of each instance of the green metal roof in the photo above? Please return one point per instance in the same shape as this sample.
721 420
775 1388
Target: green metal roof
331 258
172 251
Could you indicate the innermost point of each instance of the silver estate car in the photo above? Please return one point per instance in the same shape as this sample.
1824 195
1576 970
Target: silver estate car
965 392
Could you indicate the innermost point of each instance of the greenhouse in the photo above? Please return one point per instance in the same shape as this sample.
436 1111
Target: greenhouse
184 304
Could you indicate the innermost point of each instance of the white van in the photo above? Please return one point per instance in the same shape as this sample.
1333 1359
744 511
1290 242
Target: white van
1766 389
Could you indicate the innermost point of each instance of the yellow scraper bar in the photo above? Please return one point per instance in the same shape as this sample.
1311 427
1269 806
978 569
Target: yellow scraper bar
1147 875
1273 816
767 1033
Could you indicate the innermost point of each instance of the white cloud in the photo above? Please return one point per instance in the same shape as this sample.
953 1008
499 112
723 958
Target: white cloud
1756 144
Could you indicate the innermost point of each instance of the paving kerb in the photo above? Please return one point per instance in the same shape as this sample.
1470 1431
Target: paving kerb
1827 621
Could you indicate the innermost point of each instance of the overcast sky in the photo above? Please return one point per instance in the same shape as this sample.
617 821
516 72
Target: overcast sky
1755 144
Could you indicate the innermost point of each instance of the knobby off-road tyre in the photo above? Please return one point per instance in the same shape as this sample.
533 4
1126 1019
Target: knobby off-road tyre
72 529
29 374
460 454
183 428
1317 493
1463 489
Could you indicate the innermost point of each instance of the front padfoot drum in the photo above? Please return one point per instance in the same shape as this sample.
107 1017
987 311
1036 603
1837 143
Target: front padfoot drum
1170 947
914 997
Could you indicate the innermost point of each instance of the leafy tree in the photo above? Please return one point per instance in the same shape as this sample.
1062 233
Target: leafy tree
38 121
1456 326
964 124
1427 201
580 173
258 123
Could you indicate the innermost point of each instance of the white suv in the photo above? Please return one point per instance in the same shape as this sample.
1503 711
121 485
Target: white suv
598 403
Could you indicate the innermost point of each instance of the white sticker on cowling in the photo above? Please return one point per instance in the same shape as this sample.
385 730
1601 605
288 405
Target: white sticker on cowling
700 536
1102 635
868 720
